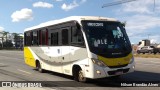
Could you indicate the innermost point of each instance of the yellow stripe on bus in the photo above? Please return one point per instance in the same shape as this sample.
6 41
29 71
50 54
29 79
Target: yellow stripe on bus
29 58
116 61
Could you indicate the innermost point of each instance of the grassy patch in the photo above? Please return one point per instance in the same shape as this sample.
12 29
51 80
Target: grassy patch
148 55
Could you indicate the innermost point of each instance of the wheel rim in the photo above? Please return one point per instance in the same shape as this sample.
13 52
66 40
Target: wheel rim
81 76
39 67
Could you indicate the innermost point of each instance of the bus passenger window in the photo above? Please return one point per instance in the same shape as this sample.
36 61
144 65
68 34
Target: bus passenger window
43 37
54 39
35 41
77 37
65 37
39 37
28 39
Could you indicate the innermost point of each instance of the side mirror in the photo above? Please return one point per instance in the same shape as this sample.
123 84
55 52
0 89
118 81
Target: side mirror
139 43
124 23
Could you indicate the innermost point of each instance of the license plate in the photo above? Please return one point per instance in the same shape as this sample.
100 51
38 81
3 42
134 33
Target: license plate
119 73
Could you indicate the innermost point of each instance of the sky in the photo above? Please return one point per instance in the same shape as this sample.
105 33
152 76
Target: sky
141 17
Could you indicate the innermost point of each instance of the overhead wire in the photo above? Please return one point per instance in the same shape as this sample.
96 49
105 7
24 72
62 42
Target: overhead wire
123 1
117 3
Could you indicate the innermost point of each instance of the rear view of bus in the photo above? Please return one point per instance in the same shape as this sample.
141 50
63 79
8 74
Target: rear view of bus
110 48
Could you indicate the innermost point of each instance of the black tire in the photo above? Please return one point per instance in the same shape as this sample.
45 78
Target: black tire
38 67
79 75
155 52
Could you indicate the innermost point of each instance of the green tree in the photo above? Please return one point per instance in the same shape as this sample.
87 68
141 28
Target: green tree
8 44
4 36
15 38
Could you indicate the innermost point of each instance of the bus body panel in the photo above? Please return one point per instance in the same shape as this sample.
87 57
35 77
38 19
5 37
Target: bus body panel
89 69
116 61
29 58
57 59
108 71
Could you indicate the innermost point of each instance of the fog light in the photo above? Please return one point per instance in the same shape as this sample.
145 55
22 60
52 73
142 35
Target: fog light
133 67
98 72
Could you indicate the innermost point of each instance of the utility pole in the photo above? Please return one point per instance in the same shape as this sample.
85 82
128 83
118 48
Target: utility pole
154 5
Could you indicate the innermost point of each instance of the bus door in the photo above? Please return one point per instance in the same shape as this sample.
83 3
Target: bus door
65 48
55 51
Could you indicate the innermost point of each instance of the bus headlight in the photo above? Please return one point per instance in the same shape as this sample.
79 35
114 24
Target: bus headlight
98 62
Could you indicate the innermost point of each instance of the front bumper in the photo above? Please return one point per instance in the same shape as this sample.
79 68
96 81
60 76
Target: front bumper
102 72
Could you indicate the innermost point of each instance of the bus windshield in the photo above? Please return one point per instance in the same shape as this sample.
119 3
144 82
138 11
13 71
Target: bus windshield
108 39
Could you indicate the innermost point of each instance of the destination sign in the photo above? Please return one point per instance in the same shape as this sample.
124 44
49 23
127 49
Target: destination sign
95 24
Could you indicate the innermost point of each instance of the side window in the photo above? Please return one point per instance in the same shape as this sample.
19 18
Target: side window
54 38
31 38
35 38
43 37
39 37
73 35
24 39
76 37
65 37
27 39
46 37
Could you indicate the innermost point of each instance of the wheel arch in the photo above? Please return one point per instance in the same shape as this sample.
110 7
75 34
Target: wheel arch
75 67
37 61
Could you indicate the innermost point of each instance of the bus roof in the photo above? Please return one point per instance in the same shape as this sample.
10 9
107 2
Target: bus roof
71 18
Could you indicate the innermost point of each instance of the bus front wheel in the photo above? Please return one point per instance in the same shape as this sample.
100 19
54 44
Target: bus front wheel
79 75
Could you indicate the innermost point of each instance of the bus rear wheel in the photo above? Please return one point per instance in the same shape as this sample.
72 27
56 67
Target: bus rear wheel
38 67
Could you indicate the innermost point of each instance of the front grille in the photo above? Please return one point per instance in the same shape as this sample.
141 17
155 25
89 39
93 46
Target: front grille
118 66
114 72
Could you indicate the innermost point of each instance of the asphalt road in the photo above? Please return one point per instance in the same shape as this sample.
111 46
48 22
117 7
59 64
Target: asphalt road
13 68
